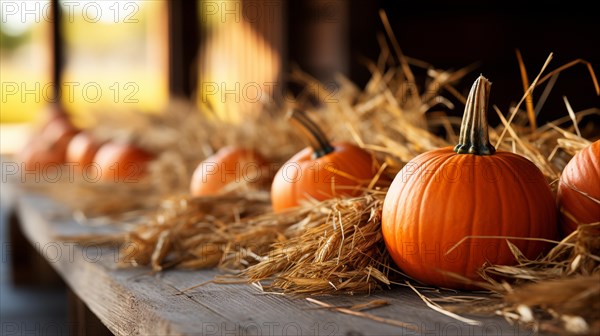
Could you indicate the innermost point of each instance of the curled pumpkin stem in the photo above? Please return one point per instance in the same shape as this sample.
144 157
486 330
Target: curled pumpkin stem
315 135
474 138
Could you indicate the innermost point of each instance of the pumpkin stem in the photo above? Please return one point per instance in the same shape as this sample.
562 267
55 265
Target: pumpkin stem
474 138
315 135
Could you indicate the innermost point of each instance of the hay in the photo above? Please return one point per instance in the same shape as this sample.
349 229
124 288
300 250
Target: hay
353 311
337 248
558 293
197 232
332 246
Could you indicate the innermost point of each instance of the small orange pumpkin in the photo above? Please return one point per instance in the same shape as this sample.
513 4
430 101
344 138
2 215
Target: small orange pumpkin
49 146
446 195
81 150
322 171
230 165
40 155
122 162
579 189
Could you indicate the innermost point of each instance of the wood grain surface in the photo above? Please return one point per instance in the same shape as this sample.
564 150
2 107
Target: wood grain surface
135 301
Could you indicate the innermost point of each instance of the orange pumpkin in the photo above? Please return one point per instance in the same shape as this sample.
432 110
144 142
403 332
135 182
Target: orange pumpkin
322 171
230 165
579 189
40 155
48 147
122 162
81 150
446 195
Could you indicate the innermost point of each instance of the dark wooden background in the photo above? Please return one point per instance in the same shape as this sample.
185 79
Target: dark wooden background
453 34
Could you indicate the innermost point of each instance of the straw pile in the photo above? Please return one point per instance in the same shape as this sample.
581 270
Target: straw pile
337 248
334 245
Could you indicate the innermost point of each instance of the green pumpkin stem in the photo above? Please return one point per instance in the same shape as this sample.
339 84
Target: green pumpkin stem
315 135
474 138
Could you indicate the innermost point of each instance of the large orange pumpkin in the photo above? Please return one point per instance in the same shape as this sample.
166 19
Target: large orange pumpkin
579 189
122 162
322 171
445 195
230 165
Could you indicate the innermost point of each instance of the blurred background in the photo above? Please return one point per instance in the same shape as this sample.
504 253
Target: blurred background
233 56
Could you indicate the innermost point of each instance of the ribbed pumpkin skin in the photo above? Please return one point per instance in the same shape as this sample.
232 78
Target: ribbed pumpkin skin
581 173
302 177
440 197
228 165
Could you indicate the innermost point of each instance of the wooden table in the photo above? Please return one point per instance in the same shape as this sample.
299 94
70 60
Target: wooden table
137 302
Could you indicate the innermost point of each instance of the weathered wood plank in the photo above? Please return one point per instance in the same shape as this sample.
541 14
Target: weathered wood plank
137 302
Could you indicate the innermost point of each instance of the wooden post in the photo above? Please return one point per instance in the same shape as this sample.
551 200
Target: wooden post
183 47
27 266
57 49
81 319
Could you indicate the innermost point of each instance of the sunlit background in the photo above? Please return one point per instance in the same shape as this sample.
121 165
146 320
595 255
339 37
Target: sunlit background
239 59
26 59
116 54
115 57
